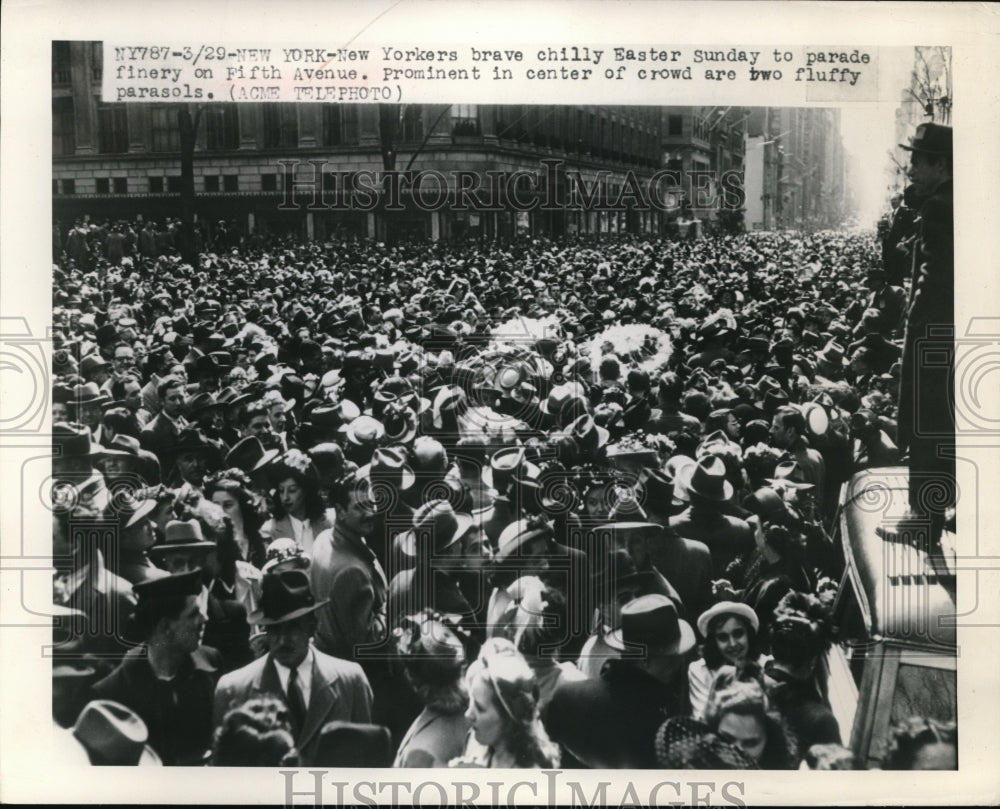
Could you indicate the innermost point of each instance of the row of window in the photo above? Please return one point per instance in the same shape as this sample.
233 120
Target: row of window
221 128
573 129
569 129
157 185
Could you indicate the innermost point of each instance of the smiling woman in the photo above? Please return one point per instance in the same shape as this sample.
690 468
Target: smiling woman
730 632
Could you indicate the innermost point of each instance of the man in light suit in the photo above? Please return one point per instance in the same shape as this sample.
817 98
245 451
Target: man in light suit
316 687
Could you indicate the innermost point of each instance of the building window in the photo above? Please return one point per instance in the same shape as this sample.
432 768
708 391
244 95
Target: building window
164 131
103 185
62 73
155 185
121 185
464 119
675 125
211 182
174 184
63 127
112 129
269 182
333 125
230 182
222 128
69 186
281 125
412 128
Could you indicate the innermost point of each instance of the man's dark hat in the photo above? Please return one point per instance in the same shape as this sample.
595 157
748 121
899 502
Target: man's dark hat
191 441
180 584
931 139
199 404
285 596
249 454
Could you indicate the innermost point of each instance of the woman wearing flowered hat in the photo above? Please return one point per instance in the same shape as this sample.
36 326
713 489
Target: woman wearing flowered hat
297 510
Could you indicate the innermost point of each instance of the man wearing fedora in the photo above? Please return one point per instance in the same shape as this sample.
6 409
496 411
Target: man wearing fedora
611 722
435 547
169 680
193 455
926 408
705 520
316 687
135 537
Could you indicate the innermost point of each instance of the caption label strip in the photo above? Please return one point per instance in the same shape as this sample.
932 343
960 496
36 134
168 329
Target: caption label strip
553 73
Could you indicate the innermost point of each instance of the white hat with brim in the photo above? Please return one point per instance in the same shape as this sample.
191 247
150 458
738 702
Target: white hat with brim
736 608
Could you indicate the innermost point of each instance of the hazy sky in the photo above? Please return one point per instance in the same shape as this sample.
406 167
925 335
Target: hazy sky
869 133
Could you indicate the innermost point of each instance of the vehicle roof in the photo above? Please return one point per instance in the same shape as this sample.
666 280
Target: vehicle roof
899 592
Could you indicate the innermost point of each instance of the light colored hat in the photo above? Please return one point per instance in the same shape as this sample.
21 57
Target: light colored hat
736 608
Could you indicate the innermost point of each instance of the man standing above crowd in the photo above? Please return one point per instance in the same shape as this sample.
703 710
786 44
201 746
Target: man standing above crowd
926 406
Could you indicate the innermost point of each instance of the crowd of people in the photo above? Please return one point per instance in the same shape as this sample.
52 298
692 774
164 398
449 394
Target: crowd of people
542 504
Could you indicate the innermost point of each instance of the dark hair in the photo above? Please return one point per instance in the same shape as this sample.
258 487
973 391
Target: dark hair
697 404
236 483
257 733
669 388
118 386
251 411
120 420
340 493
799 629
166 384
313 502
710 650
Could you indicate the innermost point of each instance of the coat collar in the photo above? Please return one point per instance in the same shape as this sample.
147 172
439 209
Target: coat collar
322 696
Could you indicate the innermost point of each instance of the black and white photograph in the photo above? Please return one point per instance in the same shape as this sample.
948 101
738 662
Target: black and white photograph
378 431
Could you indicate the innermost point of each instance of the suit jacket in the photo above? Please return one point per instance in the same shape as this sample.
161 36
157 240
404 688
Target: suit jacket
160 438
687 565
345 571
176 712
150 398
339 691
107 602
611 722
726 537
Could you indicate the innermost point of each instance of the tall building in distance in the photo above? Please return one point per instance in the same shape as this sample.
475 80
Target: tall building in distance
795 169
